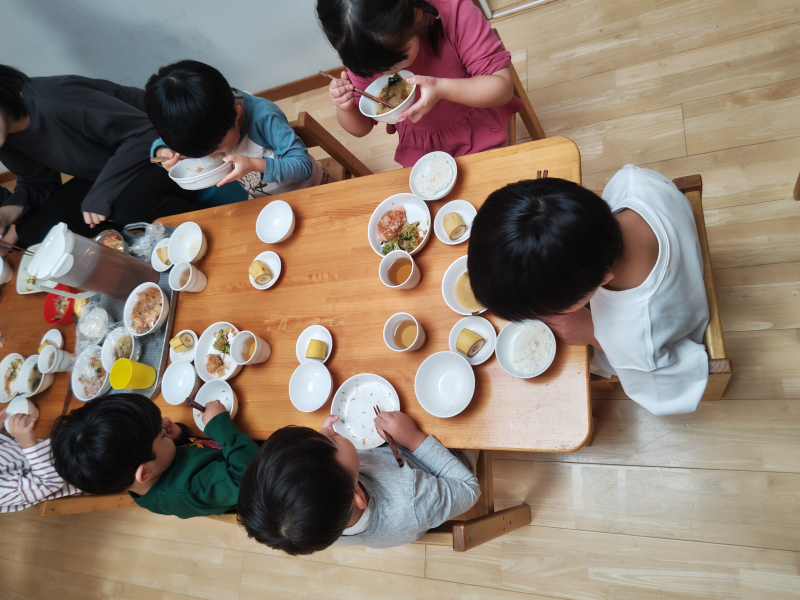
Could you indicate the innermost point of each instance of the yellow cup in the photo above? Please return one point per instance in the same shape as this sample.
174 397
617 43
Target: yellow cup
131 375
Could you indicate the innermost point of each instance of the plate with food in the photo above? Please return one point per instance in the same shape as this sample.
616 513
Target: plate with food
183 346
453 222
146 309
393 89
215 390
27 283
353 403
213 355
120 343
89 377
433 176
475 338
10 367
315 343
401 222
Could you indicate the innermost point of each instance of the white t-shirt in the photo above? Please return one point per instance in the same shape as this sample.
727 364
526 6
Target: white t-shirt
652 335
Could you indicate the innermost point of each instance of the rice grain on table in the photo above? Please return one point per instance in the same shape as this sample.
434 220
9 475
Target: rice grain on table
438 177
531 348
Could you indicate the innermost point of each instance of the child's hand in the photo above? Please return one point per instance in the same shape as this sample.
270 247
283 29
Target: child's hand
21 428
213 408
401 427
329 421
174 158
341 92
430 92
242 165
173 431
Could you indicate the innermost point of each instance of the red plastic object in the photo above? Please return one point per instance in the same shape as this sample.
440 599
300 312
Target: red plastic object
50 314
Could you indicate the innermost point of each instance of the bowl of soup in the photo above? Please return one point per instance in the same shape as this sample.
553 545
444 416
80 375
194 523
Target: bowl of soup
457 291
395 90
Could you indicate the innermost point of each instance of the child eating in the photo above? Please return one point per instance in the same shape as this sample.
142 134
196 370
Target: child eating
306 490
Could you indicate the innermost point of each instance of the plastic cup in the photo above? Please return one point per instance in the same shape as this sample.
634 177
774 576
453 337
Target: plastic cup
55 360
392 324
261 352
196 282
131 375
386 263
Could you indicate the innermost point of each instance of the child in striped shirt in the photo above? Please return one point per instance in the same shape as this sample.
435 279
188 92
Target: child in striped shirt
27 475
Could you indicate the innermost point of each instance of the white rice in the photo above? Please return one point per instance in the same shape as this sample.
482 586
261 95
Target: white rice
438 176
532 348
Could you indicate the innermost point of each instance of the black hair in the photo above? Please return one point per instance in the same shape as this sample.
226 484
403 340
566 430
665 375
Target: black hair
370 35
99 446
295 495
192 107
11 82
540 246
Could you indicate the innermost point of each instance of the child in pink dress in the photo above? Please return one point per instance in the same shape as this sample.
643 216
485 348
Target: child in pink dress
465 90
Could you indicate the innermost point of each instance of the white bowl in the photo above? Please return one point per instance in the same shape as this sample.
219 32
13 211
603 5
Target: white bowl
275 222
204 348
416 210
484 329
449 280
188 354
107 356
215 390
467 213
423 167
310 386
368 108
179 382
155 262
6 272
18 406
505 346
13 386
45 382
188 243
213 171
133 298
273 262
444 384
77 388
53 336
315 332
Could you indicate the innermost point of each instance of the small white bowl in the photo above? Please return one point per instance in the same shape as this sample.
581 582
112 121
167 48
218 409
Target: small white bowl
131 302
368 108
423 167
444 384
188 354
310 386
22 406
273 262
53 336
275 222
5 364
505 348
107 356
45 382
6 272
187 244
215 390
180 381
315 332
416 210
155 262
484 329
77 387
213 171
449 280
204 348
467 213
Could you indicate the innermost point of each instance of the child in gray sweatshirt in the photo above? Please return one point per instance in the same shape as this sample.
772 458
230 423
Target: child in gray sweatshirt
307 490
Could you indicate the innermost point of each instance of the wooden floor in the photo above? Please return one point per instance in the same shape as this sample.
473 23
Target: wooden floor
705 505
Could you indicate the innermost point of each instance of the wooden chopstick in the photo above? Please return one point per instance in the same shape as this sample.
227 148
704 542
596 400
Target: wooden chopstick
157 160
362 92
194 404
390 441
4 244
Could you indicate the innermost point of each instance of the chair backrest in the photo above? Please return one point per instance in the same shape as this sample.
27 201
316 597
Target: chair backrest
796 192
313 134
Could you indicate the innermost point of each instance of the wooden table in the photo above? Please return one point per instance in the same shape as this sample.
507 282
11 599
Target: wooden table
330 277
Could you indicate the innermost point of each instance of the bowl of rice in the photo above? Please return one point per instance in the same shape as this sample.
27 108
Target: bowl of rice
526 349
433 176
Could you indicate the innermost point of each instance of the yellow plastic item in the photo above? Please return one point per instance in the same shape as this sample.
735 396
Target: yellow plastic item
177 344
131 375
453 225
43 346
79 306
163 255
469 343
260 272
317 349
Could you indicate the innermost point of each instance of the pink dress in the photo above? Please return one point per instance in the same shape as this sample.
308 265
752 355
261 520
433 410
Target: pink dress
468 48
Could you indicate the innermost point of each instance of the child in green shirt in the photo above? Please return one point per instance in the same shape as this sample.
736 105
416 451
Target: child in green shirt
121 443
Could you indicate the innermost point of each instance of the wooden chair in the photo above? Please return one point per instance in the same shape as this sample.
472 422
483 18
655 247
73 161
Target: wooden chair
719 365
313 134
527 114
796 192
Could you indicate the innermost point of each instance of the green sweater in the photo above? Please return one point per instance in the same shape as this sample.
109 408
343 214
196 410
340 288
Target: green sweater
203 481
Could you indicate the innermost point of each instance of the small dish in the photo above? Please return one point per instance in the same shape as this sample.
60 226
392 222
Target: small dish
130 303
215 390
416 210
310 386
200 173
467 213
108 357
188 243
54 337
24 373
449 280
156 262
505 349
368 108
13 385
484 329
315 332
444 384
423 168
180 381
18 406
353 403
78 389
205 347
273 262
188 354
275 222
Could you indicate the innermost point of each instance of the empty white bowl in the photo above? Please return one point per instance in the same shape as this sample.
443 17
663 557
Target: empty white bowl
200 173
444 384
215 390
187 244
484 329
19 406
45 382
155 262
275 222
107 357
423 168
127 311
314 332
449 280
467 213
273 262
369 109
13 386
505 348
188 354
310 386
180 381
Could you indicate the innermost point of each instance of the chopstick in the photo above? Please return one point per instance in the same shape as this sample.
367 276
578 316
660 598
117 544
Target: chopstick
194 404
539 174
390 441
6 245
157 160
362 92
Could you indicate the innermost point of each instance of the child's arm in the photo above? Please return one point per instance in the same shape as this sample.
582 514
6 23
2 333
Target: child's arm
347 113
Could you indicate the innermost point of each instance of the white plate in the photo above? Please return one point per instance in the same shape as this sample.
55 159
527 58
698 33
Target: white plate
353 403
505 346
5 364
107 356
155 262
484 329
444 384
22 275
416 210
130 303
467 213
215 390
273 262
449 280
77 388
422 167
186 355
205 347
368 108
55 337
315 332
